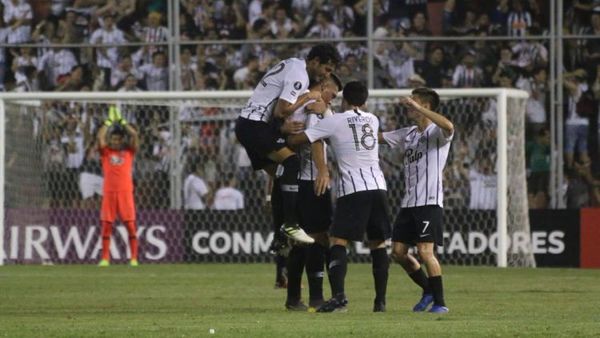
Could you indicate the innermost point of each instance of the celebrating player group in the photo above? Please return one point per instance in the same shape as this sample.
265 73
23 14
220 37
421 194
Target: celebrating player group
287 128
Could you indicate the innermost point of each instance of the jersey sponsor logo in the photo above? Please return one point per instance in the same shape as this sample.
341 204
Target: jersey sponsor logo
412 156
297 85
116 160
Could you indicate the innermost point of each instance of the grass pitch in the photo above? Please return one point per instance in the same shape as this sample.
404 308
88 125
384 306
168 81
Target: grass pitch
239 301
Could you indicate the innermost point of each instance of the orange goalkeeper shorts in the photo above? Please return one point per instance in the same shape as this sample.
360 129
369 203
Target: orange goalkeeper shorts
117 204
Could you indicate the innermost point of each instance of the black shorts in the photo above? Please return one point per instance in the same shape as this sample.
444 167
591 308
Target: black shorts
538 182
314 211
419 225
360 211
259 139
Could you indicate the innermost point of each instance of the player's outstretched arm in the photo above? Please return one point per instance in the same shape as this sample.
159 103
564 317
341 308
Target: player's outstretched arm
318 156
283 108
438 119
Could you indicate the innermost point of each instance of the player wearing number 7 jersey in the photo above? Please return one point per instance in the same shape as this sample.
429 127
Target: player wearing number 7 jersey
361 192
425 149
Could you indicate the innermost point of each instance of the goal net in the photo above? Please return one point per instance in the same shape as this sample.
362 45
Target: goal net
53 182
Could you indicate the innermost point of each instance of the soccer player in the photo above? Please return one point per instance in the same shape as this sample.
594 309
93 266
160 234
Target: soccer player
361 192
425 147
278 94
314 202
117 197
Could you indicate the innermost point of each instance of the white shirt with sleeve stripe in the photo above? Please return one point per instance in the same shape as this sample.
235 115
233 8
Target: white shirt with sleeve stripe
425 154
21 11
308 168
287 80
109 58
353 139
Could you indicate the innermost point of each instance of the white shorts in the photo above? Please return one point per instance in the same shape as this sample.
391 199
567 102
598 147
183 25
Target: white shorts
90 185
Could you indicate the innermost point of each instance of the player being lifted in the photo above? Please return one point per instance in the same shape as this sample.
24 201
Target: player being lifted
425 147
117 191
314 200
278 94
361 192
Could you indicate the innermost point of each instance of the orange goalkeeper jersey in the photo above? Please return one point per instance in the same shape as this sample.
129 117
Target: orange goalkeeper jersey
117 166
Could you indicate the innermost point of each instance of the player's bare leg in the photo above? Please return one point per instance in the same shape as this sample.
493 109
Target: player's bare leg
434 270
289 189
338 267
412 267
381 266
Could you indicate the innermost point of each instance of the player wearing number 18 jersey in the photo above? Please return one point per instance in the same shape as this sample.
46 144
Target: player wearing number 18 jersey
425 149
361 191
278 94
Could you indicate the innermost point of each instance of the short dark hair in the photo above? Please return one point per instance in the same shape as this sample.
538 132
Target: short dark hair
326 54
427 95
336 79
117 131
356 93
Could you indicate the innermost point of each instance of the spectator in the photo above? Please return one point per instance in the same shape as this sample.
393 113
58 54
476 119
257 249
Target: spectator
130 84
519 20
283 27
91 180
537 87
228 197
244 75
73 81
499 15
576 125
433 69
189 69
195 191
107 57
29 82
18 15
324 27
154 32
530 54
4 31
72 141
20 61
56 63
342 15
124 69
156 75
483 182
538 166
467 74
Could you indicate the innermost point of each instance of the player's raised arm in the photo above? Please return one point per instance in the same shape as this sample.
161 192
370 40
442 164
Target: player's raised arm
284 108
438 119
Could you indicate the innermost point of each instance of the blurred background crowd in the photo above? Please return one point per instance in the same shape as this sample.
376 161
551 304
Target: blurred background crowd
126 45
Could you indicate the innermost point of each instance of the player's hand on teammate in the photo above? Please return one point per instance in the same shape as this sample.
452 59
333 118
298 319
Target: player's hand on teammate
292 127
321 182
314 95
317 107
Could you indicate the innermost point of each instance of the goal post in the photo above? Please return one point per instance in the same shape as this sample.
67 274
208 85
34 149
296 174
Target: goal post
38 224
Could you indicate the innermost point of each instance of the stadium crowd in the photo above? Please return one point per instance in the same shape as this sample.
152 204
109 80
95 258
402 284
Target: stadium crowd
105 61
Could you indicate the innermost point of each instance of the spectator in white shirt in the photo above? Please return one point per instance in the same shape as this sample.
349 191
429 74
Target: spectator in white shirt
20 61
124 69
154 32
324 29
155 74
56 62
228 197
18 15
107 57
242 75
283 27
467 74
195 190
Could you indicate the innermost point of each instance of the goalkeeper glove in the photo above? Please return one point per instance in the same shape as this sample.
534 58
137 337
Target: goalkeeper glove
111 117
118 118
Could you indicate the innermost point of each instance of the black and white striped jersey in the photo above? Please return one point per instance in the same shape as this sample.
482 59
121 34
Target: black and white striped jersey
425 154
287 80
308 169
352 137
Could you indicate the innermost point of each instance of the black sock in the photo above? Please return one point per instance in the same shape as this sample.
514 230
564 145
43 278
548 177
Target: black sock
421 280
438 290
281 270
295 266
315 267
337 270
289 188
381 266
327 262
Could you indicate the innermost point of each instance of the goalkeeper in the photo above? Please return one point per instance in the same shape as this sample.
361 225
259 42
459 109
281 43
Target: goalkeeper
117 192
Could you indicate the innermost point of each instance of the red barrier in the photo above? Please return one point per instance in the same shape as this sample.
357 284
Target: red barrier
590 238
